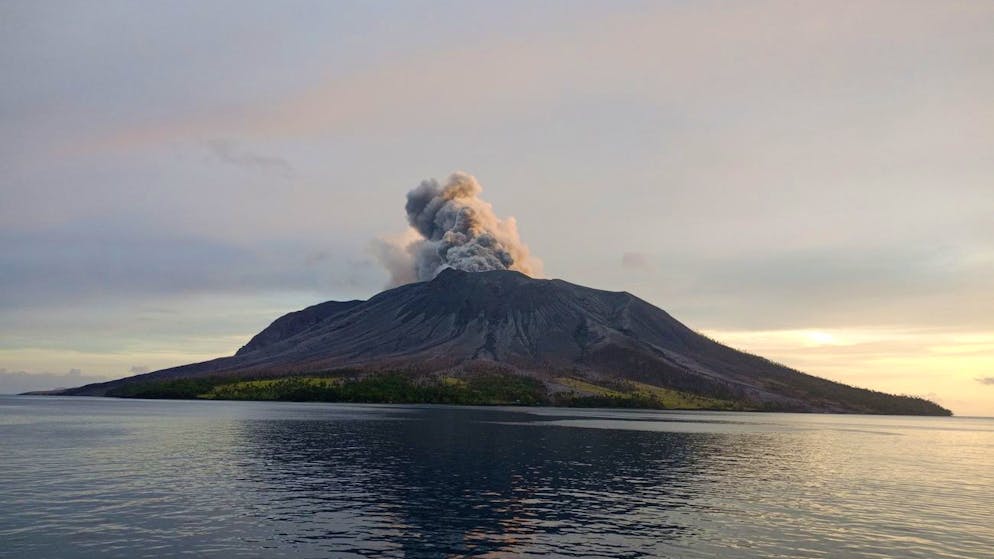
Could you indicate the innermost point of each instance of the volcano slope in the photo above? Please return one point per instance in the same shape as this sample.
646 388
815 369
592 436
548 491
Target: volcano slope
580 346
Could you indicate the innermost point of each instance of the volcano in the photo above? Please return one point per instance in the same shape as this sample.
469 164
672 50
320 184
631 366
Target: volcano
565 336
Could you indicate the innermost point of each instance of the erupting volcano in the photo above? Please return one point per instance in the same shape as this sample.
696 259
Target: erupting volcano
465 306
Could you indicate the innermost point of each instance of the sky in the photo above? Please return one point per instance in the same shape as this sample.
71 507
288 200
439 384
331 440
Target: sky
813 182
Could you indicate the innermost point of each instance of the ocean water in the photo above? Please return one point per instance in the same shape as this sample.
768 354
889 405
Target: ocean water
89 477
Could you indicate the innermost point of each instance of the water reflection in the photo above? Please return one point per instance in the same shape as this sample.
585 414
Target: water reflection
106 478
460 482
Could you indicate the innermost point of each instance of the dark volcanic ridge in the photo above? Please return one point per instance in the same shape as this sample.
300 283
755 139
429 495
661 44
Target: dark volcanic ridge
549 330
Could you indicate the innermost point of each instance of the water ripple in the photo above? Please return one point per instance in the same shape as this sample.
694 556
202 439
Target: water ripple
87 477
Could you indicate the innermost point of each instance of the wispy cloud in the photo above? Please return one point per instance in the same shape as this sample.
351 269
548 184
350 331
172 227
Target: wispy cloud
635 261
123 261
986 380
228 151
502 77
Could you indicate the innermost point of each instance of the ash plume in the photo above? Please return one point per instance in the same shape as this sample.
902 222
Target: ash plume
452 227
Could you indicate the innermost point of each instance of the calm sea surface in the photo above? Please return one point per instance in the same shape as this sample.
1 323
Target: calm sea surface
84 477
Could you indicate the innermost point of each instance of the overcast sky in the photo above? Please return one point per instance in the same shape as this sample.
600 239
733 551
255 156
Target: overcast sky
813 182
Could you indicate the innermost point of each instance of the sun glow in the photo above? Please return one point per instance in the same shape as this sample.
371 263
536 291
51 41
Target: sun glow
817 338
942 366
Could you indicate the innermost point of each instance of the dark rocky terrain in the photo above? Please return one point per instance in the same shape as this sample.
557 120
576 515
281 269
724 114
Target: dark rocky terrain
564 335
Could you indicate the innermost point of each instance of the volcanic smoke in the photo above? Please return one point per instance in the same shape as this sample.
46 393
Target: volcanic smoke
452 227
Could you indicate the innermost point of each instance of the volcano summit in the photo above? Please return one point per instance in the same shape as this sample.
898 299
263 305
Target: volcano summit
574 345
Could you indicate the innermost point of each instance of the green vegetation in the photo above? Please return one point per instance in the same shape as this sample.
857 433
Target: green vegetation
478 389
497 388
270 389
168 389
467 389
631 394
390 388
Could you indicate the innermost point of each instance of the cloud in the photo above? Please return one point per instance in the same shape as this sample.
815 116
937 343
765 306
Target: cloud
392 253
986 380
114 260
16 382
635 261
911 282
454 227
138 369
228 151
500 76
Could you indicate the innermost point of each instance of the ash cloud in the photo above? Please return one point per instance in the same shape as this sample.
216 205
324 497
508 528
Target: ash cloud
452 227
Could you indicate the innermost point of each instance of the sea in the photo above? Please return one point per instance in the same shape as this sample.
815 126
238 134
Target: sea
100 477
